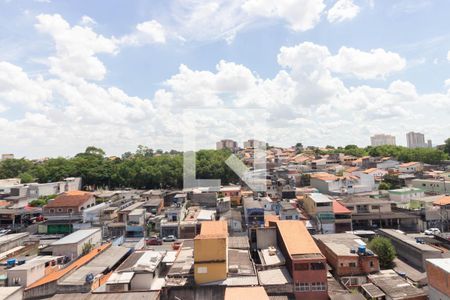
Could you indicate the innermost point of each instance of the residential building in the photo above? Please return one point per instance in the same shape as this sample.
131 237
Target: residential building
94 273
68 206
13 240
31 271
253 211
347 255
340 185
289 211
409 250
433 186
211 252
387 163
234 192
77 243
411 167
227 144
405 195
396 287
382 139
154 205
304 261
137 273
372 212
320 208
438 273
342 217
255 144
7 156
416 140
135 226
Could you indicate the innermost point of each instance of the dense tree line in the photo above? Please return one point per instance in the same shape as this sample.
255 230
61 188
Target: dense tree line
144 169
425 155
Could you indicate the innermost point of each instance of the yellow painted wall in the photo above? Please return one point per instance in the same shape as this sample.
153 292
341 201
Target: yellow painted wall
210 249
210 272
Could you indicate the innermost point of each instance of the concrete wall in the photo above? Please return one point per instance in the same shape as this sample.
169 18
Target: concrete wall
26 277
76 249
266 237
438 282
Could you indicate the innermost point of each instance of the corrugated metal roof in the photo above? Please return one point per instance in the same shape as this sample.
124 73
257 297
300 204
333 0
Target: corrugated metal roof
76 237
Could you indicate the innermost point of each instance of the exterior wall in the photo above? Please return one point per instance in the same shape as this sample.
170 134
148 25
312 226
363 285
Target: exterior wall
309 278
434 294
439 281
432 186
210 249
76 249
209 272
266 237
320 185
26 277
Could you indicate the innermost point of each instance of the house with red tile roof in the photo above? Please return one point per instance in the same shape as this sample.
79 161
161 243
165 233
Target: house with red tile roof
68 206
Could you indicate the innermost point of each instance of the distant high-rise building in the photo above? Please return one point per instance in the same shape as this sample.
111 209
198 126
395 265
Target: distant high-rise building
430 144
382 139
227 144
7 156
254 144
416 140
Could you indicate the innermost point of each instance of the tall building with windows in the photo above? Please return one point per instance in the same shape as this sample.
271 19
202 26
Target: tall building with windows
382 139
255 144
227 144
417 140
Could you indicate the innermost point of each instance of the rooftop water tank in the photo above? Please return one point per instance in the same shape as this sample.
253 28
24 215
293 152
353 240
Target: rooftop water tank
361 249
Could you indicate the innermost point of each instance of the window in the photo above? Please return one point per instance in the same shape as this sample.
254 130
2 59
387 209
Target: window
301 267
301 287
318 286
318 266
202 270
52 211
59 210
375 207
70 210
352 265
371 264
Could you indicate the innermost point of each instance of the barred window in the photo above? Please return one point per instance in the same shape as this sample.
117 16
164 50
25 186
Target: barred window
318 286
301 287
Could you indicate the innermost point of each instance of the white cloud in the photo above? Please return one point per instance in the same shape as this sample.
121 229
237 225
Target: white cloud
87 21
146 33
377 63
76 48
301 15
342 10
17 87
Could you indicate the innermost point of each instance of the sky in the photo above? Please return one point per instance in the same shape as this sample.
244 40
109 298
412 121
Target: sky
118 74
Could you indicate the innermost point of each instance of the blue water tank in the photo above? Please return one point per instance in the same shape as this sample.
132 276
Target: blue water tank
362 249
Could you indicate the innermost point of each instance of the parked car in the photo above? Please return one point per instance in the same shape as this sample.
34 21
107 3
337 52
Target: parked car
432 231
169 238
154 241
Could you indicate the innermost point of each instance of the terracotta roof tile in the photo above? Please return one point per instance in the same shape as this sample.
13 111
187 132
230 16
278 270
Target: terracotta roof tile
72 199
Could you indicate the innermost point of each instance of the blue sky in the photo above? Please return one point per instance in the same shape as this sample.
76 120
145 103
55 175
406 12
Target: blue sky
117 74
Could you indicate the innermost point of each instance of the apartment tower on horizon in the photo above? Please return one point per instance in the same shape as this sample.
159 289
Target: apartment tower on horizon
382 139
417 140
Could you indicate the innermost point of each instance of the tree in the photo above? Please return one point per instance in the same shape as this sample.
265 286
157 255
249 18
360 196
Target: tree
26 177
447 146
383 247
384 186
298 148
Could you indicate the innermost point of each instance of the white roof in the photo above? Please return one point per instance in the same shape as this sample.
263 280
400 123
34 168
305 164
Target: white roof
443 263
76 237
205 215
124 277
170 257
137 212
320 198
